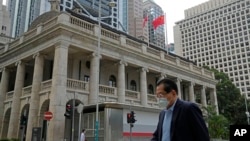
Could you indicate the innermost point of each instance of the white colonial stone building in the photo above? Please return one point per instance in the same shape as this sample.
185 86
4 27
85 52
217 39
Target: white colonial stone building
56 60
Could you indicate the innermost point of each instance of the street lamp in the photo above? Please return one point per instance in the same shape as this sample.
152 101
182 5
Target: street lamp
247 113
111 4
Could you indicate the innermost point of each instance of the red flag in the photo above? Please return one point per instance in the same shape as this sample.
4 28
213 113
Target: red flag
158 21
144 21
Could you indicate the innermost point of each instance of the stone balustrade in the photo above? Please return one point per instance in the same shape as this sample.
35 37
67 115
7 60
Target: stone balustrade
46 85
107 90
77 85
9 95
26 90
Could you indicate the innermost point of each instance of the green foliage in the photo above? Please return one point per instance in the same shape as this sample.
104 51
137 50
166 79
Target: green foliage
10 139
218 125
231 103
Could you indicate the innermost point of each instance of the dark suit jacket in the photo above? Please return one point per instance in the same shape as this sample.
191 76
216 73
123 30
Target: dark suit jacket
187 124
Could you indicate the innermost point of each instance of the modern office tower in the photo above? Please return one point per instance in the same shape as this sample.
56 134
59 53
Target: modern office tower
23 12
57 63
156 36
135 20
114 15
4 20
216 34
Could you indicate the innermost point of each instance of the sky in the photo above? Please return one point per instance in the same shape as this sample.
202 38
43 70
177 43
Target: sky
174 10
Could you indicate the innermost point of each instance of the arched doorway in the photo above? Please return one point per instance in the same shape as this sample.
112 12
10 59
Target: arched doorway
72 122
23 122
6 122
43 123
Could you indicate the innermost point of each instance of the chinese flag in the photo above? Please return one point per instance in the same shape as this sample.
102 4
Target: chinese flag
144 21
158 21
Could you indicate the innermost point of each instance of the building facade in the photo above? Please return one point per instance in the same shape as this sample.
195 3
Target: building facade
156 36
216 34
4 20
56 62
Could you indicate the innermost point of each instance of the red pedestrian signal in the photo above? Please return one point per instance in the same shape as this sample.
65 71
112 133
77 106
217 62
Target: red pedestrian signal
128 117
68 112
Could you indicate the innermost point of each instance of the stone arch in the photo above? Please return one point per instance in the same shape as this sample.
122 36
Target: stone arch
23 121
6 122
43 123
68 122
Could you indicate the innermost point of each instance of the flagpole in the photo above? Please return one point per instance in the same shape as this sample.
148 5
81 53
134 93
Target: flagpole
147 27
146 24
166 36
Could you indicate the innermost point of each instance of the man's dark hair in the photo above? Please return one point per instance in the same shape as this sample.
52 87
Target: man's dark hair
83 130
169 85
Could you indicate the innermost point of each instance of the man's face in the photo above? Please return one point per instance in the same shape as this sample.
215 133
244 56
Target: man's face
170 97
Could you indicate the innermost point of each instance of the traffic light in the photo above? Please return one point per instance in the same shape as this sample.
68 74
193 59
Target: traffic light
133 120
68 112
128 117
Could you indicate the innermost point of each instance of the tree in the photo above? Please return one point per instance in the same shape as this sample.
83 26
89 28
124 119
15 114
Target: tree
231 103
218 125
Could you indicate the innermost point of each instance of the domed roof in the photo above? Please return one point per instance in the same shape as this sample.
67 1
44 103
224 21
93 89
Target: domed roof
43 18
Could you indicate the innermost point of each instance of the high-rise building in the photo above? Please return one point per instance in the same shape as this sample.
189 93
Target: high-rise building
216 34
4 20
23 12
156 36
114 16
135 19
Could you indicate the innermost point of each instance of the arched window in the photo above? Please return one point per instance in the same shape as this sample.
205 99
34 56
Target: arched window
133 85
150 89
112 81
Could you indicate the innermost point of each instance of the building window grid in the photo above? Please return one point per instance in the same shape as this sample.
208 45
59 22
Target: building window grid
197 42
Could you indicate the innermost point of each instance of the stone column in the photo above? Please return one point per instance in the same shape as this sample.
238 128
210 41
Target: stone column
191 92
178 82
162 75
121 82
15 107
3 90
143 86
213 97
203 96
94 79
58 93
34 100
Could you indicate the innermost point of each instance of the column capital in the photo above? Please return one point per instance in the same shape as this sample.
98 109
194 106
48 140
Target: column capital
18 63
192 83
62 44
122 62
144 69
204 87
178 79
95 54
3 69
38 54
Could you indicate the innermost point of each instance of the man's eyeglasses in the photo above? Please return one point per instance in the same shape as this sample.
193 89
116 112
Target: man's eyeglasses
162 94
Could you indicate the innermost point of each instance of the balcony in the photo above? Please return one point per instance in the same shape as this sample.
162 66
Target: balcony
106 93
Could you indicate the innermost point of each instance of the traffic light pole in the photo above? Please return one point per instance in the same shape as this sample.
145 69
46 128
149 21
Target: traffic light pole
73 119
130 130
131 125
